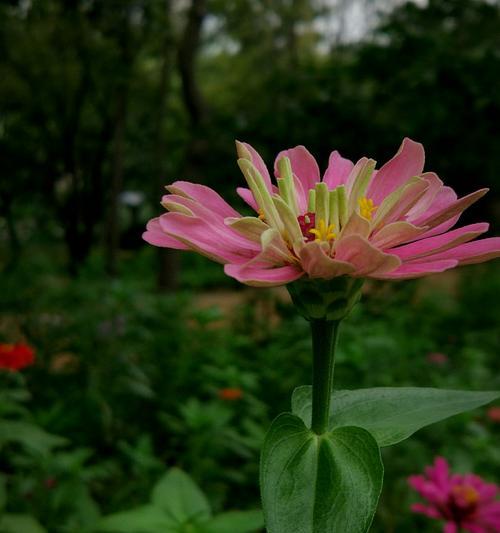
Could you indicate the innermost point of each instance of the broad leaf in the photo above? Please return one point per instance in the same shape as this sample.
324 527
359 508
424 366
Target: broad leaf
179 496
32 437
391 414
20 523
319 484
235 522
145 519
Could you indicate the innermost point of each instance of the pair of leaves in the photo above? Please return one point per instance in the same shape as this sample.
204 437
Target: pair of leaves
177 506
331 483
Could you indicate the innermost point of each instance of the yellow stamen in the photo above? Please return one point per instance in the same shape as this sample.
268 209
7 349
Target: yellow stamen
322 232
467 493
262 216
366 207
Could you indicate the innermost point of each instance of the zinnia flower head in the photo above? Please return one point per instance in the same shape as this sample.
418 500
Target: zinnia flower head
390 223
16 356
464 502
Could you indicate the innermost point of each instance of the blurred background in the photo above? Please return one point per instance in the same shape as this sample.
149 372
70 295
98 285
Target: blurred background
149 359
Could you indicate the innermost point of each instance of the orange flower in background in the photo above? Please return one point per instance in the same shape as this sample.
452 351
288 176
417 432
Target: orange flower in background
230 394
16 356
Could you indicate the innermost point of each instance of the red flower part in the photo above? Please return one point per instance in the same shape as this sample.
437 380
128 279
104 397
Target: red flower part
464 502
50 482
230 394
307 222
14 357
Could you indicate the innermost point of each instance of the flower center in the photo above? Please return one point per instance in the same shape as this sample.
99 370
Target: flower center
307 223
323 232
465 495
366 207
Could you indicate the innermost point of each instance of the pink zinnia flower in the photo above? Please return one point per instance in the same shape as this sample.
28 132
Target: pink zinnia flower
391 223
465 502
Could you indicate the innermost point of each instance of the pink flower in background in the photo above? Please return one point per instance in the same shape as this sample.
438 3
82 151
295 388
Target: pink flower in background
437 358
391 223
494 414
464 502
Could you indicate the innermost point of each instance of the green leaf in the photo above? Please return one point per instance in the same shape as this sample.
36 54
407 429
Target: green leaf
235 522
179 496
319 484
145 519
32 437
17 523
391 414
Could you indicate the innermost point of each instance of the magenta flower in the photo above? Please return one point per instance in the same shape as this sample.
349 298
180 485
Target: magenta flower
465 502
391 223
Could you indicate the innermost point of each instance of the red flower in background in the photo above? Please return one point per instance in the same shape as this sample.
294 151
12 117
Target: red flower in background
464 502
230 394
494 414
437 358
16 356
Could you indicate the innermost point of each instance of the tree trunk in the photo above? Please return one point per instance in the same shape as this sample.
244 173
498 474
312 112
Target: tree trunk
187 52
168 260
113 226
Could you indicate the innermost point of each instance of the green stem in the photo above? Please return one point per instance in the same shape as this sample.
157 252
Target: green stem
324 339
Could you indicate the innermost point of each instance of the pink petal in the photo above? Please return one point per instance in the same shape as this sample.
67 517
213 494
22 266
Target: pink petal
416 482
356 225
263 277
449 211
475 528
318 264
338 170
432 245
472 252
304 166
259 164
450 527
247 196
425 202
426 510
217 243
410 196
417 270
394 234
440 474
445 197
157 237
367 260
407 163
354 173
204 195
196 208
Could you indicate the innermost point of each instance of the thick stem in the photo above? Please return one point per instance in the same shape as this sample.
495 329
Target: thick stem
324 337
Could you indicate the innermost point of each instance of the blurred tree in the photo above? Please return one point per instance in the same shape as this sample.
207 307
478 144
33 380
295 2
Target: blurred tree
100 96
